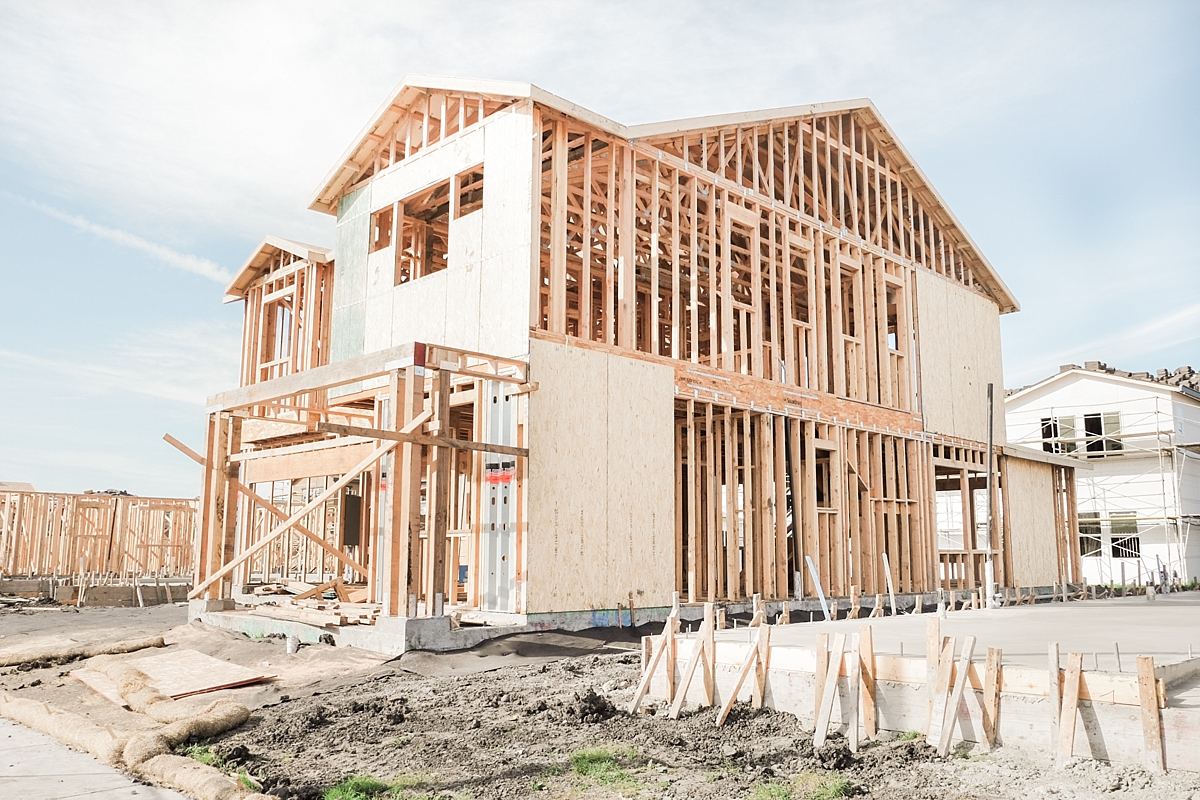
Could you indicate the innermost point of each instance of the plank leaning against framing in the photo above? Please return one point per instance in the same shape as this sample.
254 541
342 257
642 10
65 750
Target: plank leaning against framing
272 509
293 519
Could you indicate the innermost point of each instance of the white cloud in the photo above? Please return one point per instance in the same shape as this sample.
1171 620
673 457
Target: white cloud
173 258
225 116
1137 341
182 365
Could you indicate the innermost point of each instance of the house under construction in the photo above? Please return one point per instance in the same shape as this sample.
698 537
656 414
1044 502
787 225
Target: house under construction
556 366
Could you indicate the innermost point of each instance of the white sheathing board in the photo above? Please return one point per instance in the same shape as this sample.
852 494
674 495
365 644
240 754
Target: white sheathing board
958 333
601 481
506 242
1031 539
480 302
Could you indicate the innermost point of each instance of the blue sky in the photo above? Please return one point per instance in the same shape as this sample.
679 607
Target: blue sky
145 148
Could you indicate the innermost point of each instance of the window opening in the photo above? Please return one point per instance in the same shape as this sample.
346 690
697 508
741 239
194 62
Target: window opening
381 228
1102 431
424 234
470 191
1089 534
1125 540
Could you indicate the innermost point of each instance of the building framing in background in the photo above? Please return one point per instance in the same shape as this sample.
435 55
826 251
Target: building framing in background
1139 504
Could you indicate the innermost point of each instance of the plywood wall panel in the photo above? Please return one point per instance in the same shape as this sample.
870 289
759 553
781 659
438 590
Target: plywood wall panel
601 481
1031 522
958 334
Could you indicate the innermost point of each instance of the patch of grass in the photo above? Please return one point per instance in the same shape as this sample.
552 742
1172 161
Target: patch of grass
244 778
908 735
598 763
358 787
810 786
771 791
364 787
204 754
402 782
602 766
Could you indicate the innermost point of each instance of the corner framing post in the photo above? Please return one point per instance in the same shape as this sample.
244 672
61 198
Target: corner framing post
230 472
405 490
990 572
438 508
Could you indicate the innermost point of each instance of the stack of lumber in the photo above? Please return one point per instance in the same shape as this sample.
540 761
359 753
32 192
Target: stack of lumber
316 611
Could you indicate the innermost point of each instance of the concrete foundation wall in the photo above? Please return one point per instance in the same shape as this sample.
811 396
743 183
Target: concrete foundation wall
1105 731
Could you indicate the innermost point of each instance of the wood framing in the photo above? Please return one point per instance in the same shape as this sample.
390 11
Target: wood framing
680 357
97 535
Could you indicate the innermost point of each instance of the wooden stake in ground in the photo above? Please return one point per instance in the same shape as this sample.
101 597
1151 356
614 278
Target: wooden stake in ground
666 644
992 681
1155 760
701 652
829 690
933 647
960 686
853 690
754 662
1053 691
821 666
866 657
941 692
1070 707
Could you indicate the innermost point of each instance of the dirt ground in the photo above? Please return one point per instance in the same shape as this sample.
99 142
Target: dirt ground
534 715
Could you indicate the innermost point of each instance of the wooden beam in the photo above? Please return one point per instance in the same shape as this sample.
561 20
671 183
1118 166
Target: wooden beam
429 441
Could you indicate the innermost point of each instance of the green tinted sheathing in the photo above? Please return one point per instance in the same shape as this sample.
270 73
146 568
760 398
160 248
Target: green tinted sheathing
348 326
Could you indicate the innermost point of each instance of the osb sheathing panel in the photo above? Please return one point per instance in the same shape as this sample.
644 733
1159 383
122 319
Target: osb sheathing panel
958 333
313 464
601 481
480 302
1031 522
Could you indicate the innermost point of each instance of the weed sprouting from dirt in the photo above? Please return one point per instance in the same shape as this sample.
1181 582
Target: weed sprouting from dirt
908 735
204 754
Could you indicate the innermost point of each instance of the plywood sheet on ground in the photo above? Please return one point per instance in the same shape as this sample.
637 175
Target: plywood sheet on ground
178 673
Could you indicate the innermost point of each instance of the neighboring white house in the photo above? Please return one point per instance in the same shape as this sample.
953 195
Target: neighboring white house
1139 505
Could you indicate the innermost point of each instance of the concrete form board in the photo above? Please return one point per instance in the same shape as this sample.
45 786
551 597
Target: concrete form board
1106 731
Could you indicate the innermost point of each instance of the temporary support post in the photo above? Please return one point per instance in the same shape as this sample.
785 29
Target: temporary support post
1054 691
1151 716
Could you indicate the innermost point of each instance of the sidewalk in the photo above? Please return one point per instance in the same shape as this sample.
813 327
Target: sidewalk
35 767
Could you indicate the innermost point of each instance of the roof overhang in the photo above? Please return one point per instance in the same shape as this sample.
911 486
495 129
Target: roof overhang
268 247
352 163
1089 373
1029 454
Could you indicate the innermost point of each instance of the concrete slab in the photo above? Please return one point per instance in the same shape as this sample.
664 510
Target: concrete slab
1163 628
34 766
